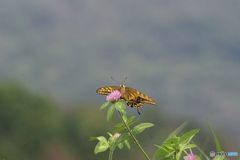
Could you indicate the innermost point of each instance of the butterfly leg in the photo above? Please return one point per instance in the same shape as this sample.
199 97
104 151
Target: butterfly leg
138 111
138 105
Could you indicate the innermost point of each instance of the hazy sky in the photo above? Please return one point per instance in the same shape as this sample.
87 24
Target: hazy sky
185 54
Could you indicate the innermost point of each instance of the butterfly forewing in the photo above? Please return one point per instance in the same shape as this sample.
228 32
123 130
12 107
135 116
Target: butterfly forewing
107 89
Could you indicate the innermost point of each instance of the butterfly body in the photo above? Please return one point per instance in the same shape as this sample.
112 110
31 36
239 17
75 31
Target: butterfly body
133 97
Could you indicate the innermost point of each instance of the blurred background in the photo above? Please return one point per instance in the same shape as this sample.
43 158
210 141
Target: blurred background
54 54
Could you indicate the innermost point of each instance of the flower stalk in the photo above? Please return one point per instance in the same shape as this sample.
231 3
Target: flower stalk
134 138
110 155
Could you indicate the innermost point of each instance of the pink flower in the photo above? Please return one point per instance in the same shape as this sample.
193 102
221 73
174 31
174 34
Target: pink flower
190 156
113 96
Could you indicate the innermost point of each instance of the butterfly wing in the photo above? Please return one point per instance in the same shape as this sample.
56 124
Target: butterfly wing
134 95
107 89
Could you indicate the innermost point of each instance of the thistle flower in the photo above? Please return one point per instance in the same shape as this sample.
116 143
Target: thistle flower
190 156
113 96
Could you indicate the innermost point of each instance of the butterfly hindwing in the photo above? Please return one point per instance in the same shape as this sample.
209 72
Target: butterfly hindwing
139 96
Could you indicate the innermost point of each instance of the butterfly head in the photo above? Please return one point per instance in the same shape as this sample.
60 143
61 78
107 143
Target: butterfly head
122 88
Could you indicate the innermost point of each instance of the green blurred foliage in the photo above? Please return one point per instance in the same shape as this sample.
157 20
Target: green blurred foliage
32 126
27 122
79 125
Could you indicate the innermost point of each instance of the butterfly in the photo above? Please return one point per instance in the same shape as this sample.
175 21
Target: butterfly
133 97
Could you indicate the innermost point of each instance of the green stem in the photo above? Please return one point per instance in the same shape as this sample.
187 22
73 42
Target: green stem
110 155
134 138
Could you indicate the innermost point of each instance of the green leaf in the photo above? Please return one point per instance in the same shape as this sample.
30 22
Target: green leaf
215 138
104 105
141 127
119 127
173 147
188 146
120 107
186 137
111 141
102 145
177 131
172 154
110 112
110 134
161 154
123 137
127 144
178 155
101 139
131 120
120 145
173 141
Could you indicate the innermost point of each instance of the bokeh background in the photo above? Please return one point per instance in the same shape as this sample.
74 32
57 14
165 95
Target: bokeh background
55 53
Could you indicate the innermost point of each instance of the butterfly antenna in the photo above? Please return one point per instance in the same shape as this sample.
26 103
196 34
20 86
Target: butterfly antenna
114 80
123 82
125 79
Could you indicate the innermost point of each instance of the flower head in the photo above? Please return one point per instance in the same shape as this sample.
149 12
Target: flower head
190 156
113 96
116 135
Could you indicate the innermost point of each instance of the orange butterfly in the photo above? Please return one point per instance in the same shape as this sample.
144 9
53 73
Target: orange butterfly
133 97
